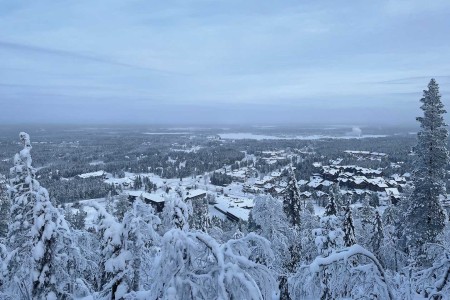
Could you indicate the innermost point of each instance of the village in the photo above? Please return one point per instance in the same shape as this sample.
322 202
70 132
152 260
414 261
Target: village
235 199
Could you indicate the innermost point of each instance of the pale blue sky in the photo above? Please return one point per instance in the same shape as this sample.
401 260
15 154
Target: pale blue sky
230 61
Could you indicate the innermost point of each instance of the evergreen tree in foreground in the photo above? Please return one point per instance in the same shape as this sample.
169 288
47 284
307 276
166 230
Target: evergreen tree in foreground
292 205
378 235
349 228
200 215
121 206
330 209
114 256
23 193
5 205
425 217
79 219
338 199
38 266
140 237
365 222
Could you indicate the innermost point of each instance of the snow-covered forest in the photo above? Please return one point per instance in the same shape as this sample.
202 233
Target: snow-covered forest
125 248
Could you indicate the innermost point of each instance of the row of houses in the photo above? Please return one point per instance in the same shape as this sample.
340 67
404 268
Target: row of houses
271 178
349 181
334 171
242 174
366 154
354 180
272 157
377 184
322 197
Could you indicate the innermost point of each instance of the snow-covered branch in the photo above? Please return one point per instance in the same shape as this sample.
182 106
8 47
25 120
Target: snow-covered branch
340 264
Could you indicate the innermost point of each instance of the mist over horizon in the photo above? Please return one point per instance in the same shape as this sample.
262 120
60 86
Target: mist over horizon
209 116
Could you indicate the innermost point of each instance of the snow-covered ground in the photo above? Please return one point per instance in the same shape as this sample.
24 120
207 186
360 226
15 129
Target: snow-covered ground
92 174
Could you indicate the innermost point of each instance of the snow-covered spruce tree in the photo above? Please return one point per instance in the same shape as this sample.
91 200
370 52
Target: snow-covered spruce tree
425 216
348 273
140 238
331 209
374 199
216 231
137 183
175 214
338 273
199 218
121 206
348 228
395 223
53 252
87 268
292 204
229 230
79 219
329 238
38 265
377 238
434 282
272 224
68 214
114 258
364 222
308 246
23 193
338 199
251 225
192 265
5 206
390 253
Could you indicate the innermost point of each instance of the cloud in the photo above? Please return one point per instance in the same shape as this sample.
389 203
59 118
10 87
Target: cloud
16 47
305 60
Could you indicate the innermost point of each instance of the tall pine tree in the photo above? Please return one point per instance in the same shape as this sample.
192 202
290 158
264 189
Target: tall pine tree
292 205
140 236
349 228
121 206
330 209
425 216
378 234
5 205
114 255
200 215
38 266
23 193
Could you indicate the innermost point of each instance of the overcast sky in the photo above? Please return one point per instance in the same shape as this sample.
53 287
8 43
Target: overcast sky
231 61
